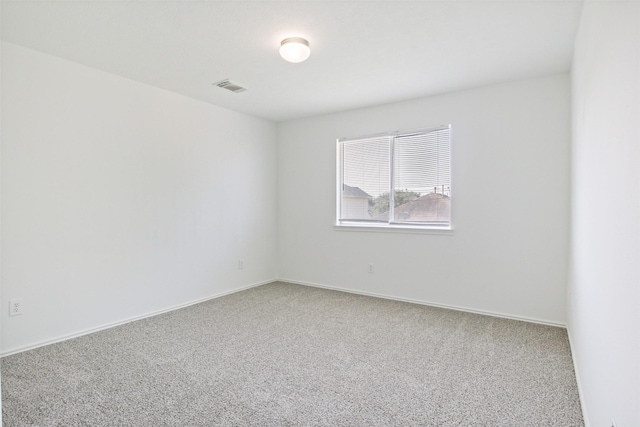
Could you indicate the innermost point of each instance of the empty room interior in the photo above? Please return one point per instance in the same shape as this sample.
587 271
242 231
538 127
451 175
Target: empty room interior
195 229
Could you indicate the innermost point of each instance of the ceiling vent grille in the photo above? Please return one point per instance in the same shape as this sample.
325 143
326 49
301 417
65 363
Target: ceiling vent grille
229 85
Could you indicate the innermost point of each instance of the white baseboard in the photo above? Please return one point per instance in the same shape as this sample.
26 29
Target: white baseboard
315 285
128 320
429 303
583 405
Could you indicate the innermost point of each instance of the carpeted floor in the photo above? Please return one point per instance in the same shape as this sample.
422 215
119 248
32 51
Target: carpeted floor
289 355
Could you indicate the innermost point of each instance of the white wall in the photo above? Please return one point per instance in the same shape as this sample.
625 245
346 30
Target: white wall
0 209
604 293
509 251
120 199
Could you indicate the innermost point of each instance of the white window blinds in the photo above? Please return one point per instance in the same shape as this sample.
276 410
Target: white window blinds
365 168
401 178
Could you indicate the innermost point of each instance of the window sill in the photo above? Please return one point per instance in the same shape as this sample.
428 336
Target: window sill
386 228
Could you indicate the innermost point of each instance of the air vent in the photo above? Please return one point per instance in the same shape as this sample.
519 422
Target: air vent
229 85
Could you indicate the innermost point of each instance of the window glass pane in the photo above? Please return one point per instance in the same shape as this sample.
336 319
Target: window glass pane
422 178
365 170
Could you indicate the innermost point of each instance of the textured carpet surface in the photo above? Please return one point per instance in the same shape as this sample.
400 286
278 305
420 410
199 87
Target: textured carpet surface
289 355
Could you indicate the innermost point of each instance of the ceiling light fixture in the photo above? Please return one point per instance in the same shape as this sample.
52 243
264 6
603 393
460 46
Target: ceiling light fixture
295 49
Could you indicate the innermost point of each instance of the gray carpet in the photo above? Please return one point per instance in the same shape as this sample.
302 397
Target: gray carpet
289 355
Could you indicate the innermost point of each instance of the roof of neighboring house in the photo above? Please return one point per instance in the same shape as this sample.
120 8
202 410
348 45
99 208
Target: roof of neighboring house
348 191
430 207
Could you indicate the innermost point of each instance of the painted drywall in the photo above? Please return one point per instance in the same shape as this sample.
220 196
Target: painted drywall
508 252
120 199
604 290
0 210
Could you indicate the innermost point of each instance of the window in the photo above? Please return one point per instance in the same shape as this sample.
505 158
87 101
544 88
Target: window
400 179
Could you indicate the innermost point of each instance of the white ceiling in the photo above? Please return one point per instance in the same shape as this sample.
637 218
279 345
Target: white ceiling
363 53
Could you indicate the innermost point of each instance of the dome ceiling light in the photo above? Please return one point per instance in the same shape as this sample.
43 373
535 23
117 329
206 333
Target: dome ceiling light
295 49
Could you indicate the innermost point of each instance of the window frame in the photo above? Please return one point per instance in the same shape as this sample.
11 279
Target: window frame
389 226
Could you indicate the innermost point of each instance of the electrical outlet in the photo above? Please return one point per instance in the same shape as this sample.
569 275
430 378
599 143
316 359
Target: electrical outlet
15 307
240 264
370 269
